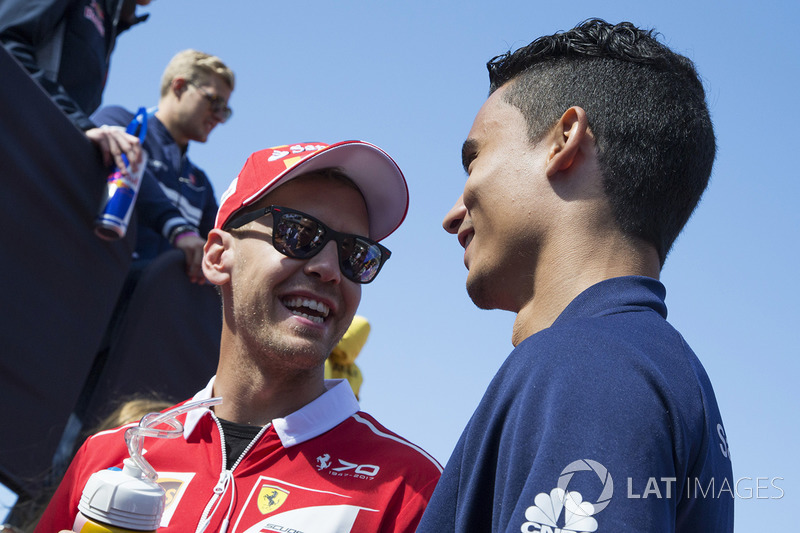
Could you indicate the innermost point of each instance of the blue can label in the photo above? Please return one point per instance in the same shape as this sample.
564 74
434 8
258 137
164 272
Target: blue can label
117 207
121 189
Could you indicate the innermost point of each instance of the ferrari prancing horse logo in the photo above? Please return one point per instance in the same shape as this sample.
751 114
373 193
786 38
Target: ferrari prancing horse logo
270 498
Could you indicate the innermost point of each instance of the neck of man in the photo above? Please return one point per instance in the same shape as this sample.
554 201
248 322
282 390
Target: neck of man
574 265
166 117
256 395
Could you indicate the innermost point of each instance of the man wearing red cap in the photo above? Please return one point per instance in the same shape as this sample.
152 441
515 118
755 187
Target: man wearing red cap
295 238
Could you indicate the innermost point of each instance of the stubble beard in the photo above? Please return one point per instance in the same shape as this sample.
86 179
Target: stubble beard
271 345
479 291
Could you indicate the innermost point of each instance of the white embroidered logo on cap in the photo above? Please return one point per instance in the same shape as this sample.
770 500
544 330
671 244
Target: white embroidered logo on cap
277 154
229 191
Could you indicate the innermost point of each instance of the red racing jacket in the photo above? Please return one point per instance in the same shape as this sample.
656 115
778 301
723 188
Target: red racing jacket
327 467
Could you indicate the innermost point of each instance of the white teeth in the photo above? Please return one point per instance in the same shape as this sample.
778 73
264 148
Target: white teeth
315 319
294 303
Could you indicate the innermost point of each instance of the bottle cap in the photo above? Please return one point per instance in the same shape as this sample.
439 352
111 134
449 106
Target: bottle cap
123 498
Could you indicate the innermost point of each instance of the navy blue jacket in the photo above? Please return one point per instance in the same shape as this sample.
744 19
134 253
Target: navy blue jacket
66 47
174 192
604 421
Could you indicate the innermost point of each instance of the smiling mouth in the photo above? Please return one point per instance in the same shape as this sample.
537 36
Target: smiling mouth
465 237
312 310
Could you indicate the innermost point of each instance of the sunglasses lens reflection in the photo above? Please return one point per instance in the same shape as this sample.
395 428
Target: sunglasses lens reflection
299 237
359 259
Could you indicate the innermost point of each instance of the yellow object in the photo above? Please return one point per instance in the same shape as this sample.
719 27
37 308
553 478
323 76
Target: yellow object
341 363
84 525
354 339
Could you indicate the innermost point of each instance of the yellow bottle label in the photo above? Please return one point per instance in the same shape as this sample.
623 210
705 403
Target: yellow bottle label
84 525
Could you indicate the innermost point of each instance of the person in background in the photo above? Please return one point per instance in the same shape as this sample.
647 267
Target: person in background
66 46
128 410
175 207
584 164
131 409
176 204
286 450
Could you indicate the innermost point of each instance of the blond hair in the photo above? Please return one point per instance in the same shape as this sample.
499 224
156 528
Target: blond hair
196 67
131 410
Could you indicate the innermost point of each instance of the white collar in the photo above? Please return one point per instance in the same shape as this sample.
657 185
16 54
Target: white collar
324 413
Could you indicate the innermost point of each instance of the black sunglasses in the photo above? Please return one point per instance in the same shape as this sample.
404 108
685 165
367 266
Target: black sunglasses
301 236
218 105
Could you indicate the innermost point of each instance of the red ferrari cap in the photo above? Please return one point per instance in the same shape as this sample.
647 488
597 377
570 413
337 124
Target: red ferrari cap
373 171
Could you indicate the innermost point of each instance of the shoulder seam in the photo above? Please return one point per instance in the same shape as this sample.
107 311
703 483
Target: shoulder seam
397 439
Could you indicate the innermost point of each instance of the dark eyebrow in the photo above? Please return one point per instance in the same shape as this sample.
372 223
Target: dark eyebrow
468 151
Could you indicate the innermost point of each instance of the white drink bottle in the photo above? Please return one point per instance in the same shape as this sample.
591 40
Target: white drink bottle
129 500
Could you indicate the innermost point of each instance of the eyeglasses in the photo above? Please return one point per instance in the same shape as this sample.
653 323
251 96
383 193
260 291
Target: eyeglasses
301 236
218 105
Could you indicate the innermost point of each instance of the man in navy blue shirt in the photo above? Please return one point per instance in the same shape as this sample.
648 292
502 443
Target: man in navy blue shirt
583 165
176 204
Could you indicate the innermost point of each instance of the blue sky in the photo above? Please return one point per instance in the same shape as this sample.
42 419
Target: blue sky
409 77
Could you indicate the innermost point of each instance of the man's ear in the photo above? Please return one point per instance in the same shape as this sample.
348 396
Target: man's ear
568 138
178 85
218 256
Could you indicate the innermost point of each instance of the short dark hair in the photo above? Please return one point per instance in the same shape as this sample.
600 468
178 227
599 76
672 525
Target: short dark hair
646 108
